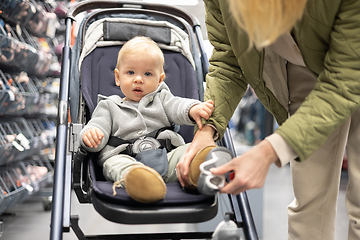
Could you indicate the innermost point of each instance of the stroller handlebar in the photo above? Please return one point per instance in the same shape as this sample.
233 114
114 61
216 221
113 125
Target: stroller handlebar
104 4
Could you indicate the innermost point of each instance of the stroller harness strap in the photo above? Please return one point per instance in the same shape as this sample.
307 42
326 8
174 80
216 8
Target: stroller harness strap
143 143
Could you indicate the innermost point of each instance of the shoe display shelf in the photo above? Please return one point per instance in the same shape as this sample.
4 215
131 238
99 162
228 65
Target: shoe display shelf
37 17
26 158
29 85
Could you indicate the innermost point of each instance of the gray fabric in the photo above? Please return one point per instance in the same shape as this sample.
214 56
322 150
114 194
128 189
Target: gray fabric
94 37
154 158
119 31
115 117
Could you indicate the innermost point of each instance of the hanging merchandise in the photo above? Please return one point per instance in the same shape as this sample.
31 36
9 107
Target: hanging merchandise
29 85
31 16
19 52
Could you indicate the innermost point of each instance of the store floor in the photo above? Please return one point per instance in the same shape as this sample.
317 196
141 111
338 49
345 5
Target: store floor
28 221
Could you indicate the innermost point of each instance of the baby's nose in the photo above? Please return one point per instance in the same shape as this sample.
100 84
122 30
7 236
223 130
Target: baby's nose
138 79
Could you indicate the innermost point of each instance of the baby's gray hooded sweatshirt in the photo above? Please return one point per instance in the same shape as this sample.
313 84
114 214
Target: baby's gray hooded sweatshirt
116 117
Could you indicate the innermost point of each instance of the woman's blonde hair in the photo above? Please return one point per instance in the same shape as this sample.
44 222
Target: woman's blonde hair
141 45
265 20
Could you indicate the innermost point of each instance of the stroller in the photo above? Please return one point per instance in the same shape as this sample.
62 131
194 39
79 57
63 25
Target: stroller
87 70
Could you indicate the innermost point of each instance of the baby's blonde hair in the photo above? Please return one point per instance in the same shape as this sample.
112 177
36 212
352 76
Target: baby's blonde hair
141 45
265 20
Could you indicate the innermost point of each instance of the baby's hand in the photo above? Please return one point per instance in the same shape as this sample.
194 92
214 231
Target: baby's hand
92 137
202 110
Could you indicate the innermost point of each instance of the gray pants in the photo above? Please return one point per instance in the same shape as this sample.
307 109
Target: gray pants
115 167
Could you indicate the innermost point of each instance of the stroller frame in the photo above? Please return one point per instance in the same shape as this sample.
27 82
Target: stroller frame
68 171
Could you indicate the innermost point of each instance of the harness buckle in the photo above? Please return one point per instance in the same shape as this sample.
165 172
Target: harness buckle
145 143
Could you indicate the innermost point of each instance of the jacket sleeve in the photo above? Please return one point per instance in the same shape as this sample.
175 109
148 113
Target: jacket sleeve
177 108
225 84
337 93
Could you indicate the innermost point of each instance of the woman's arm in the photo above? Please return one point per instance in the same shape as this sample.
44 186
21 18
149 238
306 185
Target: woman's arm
225 85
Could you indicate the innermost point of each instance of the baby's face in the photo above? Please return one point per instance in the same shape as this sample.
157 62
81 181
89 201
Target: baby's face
138 76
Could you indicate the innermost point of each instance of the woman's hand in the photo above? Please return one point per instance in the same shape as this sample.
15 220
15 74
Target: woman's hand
250 168
202 138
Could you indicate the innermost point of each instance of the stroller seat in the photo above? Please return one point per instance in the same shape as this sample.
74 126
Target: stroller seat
97 77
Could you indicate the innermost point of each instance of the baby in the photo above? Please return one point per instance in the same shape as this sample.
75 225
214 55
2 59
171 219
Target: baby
147 108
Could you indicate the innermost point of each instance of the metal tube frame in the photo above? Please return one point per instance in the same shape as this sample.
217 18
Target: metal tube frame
56 226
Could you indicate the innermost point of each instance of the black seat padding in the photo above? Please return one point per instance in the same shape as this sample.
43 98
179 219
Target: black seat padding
176 203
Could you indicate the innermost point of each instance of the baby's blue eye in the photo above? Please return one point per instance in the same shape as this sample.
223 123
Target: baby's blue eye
147 74
131 72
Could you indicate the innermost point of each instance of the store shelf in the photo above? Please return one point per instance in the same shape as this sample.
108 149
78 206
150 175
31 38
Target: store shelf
29 85
18 53
19 96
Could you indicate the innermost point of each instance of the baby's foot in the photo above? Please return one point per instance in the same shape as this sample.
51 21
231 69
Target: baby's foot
144 184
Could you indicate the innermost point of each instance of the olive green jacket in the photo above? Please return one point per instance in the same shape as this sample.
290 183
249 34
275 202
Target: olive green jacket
328 37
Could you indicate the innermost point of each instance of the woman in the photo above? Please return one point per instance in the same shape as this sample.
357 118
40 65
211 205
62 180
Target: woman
302 58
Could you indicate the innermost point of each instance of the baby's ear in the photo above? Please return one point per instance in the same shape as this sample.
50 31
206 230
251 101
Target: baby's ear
162 77
117 77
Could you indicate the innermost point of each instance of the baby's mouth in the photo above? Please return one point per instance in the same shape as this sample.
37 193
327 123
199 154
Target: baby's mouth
137 90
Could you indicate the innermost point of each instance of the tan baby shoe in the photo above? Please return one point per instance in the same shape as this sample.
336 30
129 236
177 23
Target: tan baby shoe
144 184
194 170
